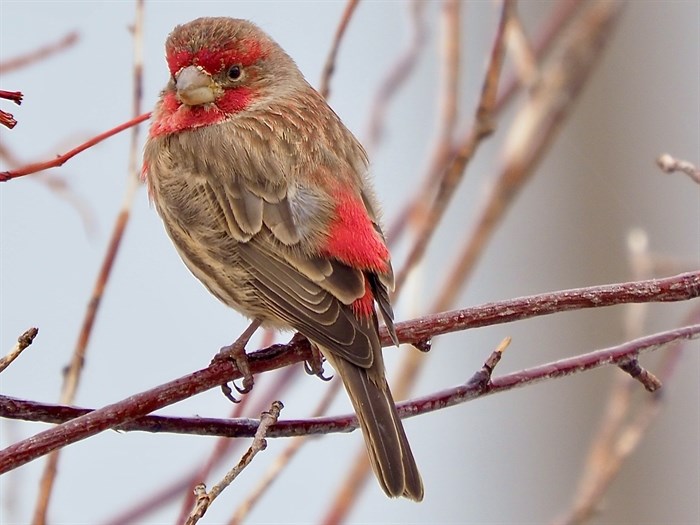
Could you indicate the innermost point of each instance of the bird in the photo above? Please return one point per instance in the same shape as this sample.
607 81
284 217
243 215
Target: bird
266 196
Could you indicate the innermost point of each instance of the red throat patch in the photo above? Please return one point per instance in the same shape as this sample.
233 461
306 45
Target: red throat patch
174 116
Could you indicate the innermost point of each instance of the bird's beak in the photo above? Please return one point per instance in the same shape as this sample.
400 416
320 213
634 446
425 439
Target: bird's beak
195 87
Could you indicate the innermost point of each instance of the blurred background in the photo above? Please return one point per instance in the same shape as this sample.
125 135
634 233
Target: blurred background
509 458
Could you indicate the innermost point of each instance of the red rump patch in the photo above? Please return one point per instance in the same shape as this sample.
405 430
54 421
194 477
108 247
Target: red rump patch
174 116
352 238
364 306
245 53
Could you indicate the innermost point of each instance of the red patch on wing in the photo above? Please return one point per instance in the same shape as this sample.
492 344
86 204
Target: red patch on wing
245 53
174 116
352 238
364 306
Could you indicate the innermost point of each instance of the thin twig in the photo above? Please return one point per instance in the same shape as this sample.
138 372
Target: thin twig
533 131
60 160
483 127
224 446
524 56
551 29
204 499
397 75
621 429
39 54
222 449
482 377
14 96
23 341
73 372
266 480
443 151
329 67
563 11
670 165
7 119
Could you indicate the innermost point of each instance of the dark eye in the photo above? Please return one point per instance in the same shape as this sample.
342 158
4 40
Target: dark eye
234 72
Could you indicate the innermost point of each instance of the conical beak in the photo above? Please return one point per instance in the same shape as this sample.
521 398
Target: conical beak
195 87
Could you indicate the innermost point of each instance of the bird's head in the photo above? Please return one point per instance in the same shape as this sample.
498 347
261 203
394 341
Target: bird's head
218 68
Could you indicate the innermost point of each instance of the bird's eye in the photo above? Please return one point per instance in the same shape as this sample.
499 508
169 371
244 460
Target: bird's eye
234 72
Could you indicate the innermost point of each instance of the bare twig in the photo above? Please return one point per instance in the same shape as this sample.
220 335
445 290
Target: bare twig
60 160
482 128
534 129
670 165
551 29
624 422
223 446
265 482
524 55
7 119
39 54
397 75
563 12
325 85
443 152
222 449
482 377
204 499
24 340
641 374
74 369
619 434
14 96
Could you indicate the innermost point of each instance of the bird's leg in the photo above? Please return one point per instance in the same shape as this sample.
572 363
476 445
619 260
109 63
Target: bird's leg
236 353
314 366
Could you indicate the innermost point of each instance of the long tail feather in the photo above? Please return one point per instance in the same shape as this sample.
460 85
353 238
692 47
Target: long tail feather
389 452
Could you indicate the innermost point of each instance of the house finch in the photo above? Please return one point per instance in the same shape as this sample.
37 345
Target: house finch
264 193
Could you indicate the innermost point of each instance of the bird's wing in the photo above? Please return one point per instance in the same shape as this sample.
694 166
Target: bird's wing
309 290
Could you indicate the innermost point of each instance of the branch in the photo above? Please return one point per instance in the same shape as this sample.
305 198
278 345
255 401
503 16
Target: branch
534 129
62 159
329 67
670 165
397 75
74 370
678 288
204 499
39 54
483 126
23 341
474 388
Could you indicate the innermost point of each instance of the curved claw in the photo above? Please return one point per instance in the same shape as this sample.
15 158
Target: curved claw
246 387
316 369
229 393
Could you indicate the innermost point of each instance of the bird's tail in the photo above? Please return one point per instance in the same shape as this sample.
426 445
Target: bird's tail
387 446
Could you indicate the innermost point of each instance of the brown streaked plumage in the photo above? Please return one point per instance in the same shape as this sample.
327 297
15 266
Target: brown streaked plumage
265 195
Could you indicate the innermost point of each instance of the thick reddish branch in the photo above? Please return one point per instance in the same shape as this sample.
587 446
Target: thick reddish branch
232 428
679 288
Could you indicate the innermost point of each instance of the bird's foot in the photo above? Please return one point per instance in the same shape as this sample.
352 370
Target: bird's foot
236 352
314 366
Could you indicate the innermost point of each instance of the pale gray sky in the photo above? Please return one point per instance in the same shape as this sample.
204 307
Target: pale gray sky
512 458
